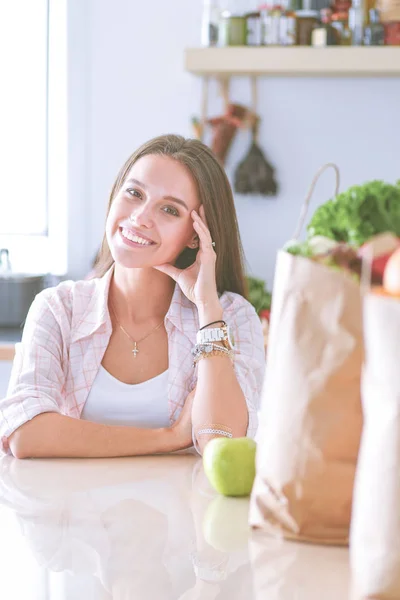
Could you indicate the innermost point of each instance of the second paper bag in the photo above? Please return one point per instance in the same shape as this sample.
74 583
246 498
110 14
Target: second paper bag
311 417
375 528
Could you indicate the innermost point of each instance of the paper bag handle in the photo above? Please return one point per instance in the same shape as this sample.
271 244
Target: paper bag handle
304 208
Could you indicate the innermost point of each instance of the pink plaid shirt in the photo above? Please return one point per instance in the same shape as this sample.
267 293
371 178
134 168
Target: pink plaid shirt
67 331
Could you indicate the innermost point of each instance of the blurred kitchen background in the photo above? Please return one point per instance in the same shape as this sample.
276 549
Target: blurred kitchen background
85 82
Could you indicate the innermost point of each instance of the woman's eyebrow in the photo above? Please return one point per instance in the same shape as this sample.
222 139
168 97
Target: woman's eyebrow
177 200
136 182
142 185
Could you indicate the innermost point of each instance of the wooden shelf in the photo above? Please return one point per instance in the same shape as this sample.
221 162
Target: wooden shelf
295 61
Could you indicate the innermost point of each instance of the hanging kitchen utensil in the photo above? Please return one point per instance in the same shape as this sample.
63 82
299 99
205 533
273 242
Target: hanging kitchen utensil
225 128
255 175
198 125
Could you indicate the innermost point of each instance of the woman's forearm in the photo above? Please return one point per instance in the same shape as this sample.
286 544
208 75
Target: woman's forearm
219 399
51 435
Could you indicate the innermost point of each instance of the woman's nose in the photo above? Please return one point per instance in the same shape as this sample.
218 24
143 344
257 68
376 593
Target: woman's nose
142 217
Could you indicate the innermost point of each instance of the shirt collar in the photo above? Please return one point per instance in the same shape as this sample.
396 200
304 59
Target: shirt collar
182 312
95 315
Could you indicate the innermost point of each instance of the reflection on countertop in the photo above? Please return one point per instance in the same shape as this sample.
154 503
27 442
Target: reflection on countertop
149 528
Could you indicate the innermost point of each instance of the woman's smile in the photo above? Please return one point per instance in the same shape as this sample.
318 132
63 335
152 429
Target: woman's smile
134 239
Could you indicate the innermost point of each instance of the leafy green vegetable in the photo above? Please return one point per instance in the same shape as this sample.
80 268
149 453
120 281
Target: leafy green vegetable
300 249
359 213
259 296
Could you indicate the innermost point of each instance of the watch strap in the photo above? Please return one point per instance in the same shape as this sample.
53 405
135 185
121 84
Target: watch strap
216 334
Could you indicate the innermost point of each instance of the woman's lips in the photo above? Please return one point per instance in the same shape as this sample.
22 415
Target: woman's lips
132 243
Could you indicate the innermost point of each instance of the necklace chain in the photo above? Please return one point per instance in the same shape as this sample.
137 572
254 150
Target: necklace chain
134 342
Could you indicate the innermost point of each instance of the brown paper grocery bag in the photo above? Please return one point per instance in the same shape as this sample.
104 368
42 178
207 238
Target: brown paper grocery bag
375 530
310 418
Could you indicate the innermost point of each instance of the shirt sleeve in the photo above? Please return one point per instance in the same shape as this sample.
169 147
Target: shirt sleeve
249 357
37 378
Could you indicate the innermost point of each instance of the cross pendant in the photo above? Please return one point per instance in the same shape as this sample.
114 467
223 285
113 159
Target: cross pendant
135 350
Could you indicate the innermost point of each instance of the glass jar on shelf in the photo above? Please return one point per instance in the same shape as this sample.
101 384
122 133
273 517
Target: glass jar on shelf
210 23
306 21
288 24
254 28
357 22
340 22
392 33
232 29
374 33
324 34
271 24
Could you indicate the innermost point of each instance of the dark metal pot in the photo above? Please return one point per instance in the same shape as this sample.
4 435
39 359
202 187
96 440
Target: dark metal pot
17 291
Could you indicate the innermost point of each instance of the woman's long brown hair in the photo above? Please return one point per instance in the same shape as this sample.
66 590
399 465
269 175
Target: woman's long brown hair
215 194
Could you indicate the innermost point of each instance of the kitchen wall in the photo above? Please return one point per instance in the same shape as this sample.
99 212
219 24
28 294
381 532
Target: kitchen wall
127 60
5 372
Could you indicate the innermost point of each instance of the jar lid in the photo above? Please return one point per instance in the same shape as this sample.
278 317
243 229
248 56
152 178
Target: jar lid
307 13
228 15
340 16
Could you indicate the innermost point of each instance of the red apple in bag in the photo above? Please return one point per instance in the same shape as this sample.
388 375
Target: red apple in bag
379 248
391 276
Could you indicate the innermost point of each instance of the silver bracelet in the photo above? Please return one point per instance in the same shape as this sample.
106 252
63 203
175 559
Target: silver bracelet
202 350
215 432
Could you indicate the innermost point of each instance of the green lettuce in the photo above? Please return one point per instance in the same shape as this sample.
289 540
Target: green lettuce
359 213
258 295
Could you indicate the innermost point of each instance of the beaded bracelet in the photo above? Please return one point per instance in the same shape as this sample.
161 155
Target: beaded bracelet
215 429
211 431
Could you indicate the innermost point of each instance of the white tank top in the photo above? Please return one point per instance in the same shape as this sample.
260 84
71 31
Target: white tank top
113 402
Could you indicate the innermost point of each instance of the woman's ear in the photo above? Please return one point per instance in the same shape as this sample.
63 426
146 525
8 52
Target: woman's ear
194 243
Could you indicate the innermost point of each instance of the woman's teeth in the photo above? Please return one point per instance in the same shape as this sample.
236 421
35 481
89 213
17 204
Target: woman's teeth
134 238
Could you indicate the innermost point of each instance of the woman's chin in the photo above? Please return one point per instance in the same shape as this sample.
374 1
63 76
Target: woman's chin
141 258
135 262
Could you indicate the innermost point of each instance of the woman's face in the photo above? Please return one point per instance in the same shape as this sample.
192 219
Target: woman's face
150 221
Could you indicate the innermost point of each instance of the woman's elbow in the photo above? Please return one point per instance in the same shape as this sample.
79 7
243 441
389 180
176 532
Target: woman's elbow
24 439
31 440
17 444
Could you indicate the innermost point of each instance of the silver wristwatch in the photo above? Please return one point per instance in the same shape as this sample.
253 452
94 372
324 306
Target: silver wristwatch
216 334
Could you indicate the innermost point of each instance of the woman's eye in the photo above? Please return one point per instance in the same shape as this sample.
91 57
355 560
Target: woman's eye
170 210
134 192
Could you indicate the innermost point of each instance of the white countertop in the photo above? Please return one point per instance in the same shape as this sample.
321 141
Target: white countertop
147 528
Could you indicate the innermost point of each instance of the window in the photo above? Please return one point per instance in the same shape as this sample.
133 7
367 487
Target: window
23 117
32 140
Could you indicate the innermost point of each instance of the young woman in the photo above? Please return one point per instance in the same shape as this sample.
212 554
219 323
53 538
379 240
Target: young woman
161 350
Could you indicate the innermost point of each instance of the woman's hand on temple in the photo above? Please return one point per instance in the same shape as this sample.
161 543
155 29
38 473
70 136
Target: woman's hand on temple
198 281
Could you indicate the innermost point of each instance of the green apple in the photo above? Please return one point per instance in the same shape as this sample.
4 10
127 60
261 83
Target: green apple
230 465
